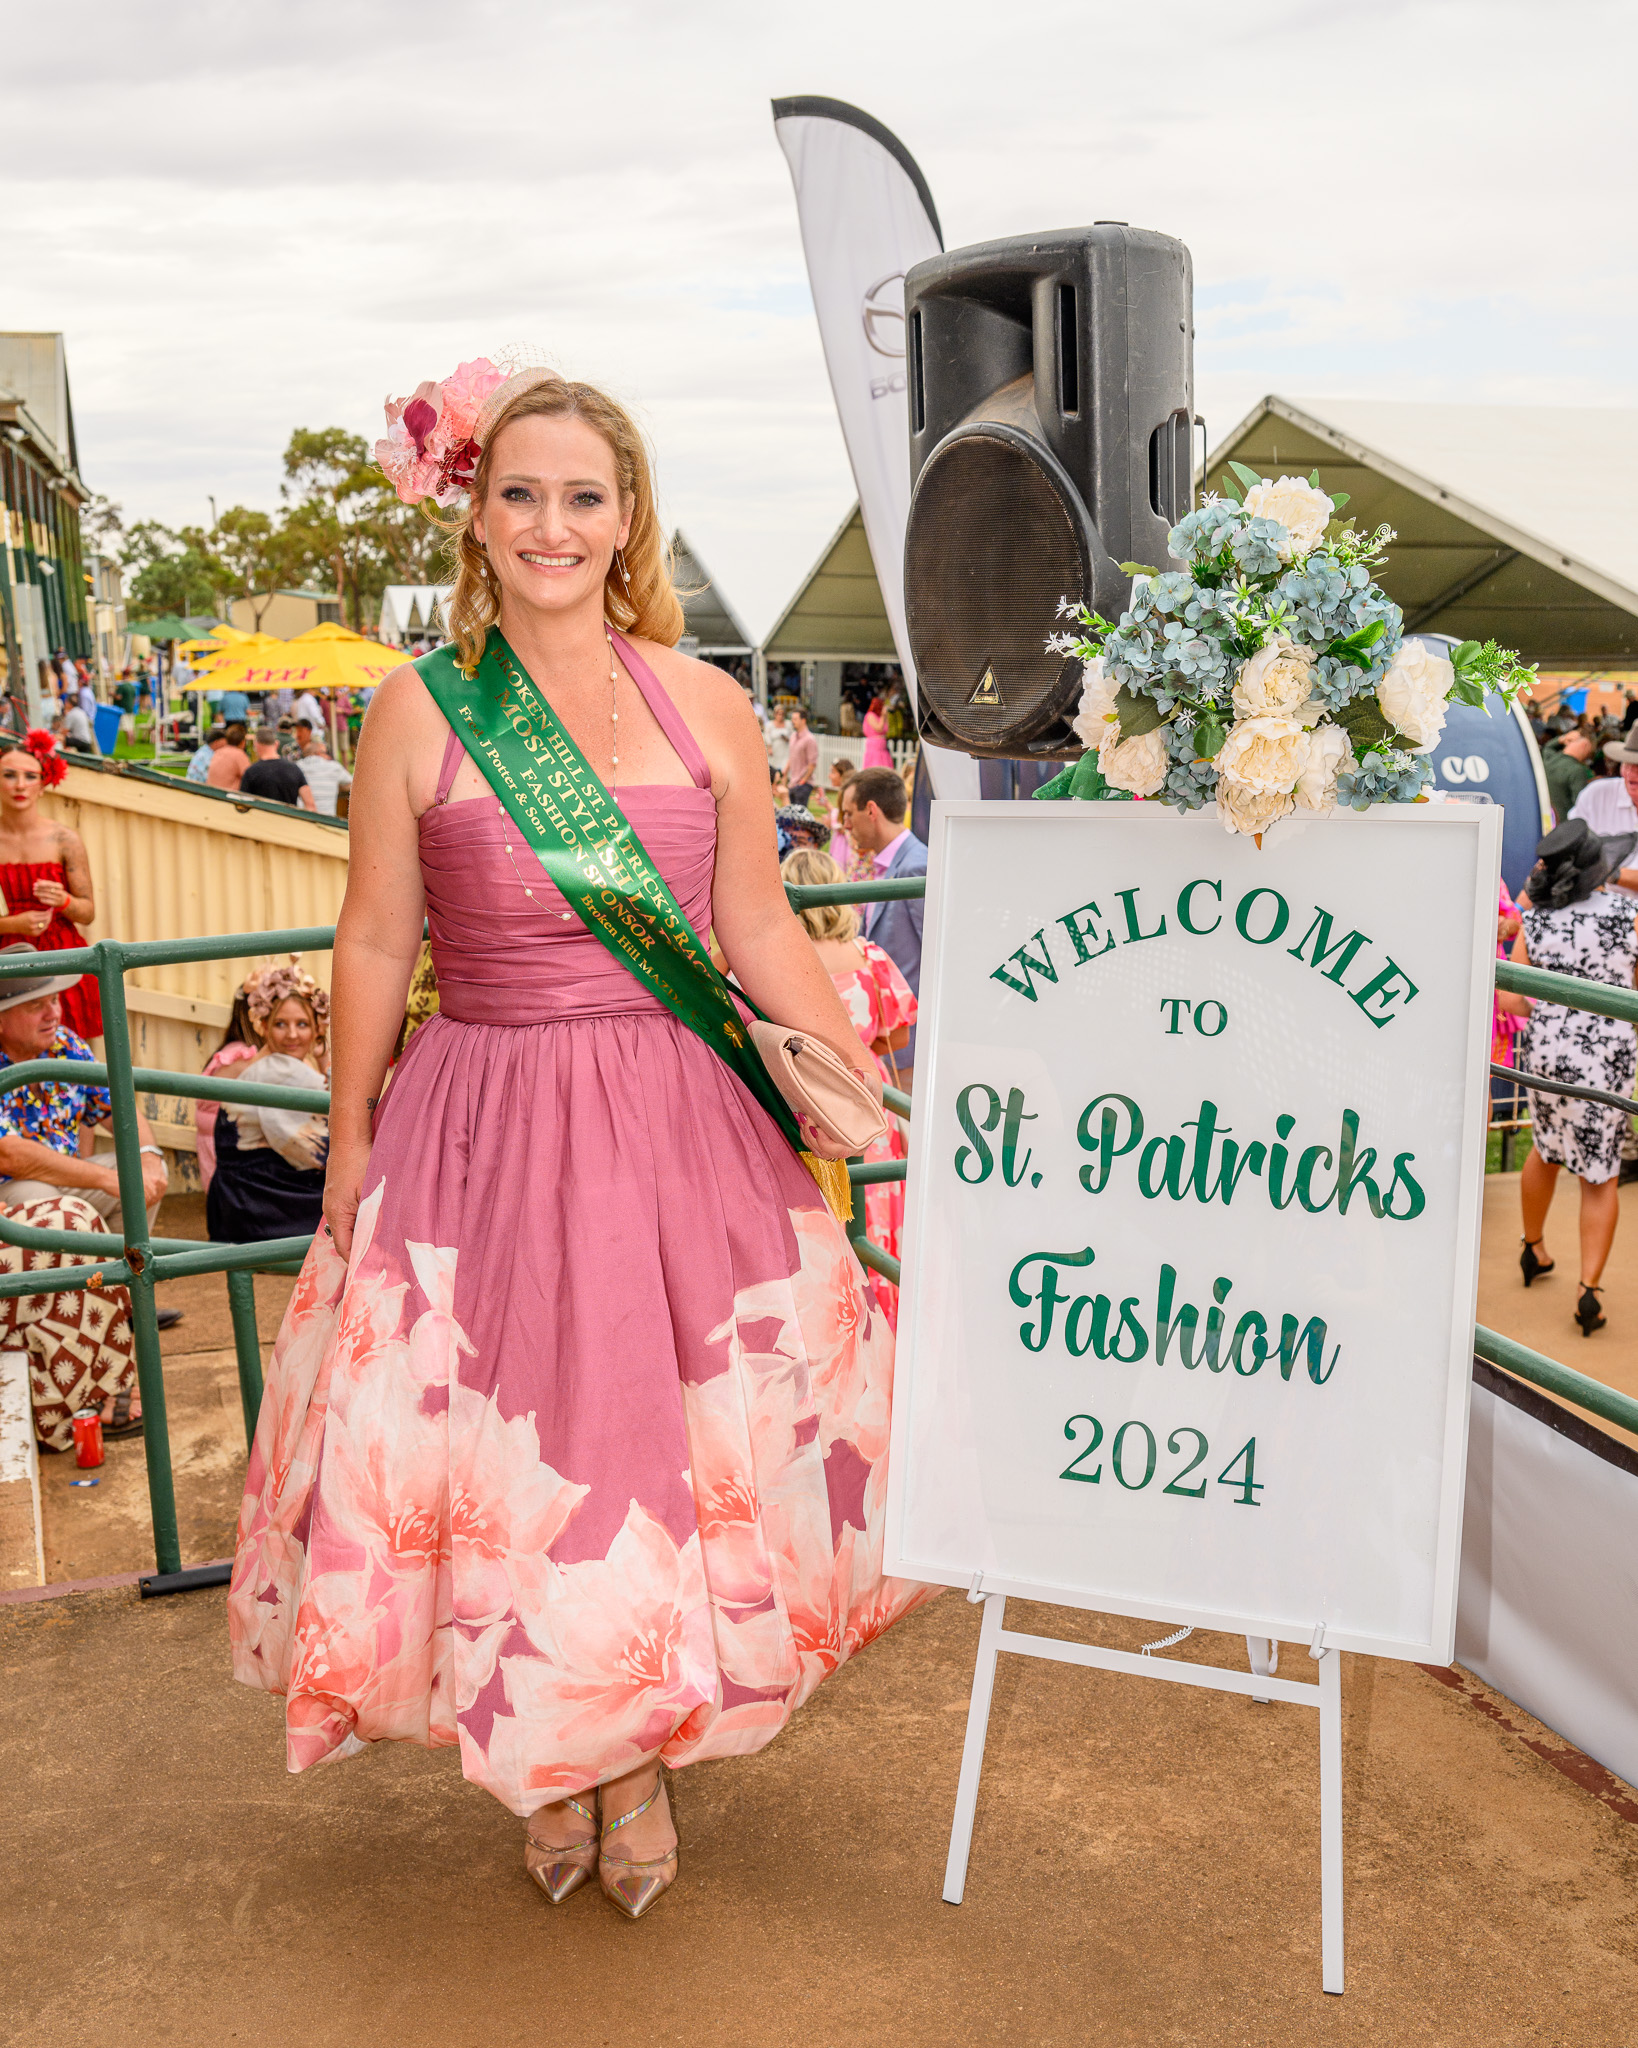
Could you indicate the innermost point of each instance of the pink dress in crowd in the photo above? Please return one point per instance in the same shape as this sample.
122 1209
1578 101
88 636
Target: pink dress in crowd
879 1000
233 1054
876 754
581 1458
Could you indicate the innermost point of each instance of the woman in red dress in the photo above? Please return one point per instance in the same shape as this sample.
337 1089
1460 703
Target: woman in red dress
45 876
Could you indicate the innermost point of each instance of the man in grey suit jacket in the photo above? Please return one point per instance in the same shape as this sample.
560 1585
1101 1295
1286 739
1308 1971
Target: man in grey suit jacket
873 810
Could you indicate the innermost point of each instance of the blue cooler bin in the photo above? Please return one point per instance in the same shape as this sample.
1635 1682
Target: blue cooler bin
105 724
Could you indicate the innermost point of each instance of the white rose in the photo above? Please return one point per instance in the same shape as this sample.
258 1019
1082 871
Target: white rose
1328 748
1275 680
1138 765
1097 706
1304 512
1415 693
1264 754
1240 809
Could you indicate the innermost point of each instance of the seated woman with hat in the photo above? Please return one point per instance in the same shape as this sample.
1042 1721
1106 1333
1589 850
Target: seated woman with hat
79 1342
41 1124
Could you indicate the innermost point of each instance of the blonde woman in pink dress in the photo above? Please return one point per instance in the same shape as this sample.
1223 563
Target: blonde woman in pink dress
573 1452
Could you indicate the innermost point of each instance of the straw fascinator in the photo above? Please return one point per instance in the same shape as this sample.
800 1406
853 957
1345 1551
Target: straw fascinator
435 436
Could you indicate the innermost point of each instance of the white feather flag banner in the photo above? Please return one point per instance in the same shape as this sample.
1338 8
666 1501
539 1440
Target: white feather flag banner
867 216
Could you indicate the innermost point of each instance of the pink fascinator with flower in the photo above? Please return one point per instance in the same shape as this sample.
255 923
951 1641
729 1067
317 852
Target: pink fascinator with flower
435 436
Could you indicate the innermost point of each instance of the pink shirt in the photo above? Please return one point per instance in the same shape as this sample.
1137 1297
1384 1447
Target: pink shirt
884 859
802 763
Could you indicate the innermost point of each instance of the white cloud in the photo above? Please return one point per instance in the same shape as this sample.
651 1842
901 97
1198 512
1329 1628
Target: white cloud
247 220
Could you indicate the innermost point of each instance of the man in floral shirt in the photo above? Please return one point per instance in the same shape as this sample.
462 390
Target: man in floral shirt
41 1125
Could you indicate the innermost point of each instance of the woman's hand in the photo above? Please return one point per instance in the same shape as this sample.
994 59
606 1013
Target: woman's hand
51 892
343 1180
30 923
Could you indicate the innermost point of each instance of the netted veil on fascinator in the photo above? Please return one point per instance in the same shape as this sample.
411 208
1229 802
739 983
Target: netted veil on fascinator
435 436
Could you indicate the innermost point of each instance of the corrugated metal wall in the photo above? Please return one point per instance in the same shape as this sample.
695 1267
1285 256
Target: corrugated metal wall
171 864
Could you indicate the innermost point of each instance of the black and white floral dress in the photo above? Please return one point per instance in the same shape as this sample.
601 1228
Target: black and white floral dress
1596 939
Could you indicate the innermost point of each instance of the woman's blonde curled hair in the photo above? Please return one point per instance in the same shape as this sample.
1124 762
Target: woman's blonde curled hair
649 609
806 868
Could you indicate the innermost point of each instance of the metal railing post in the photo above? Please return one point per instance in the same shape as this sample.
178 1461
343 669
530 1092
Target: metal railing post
247 1346
156 1436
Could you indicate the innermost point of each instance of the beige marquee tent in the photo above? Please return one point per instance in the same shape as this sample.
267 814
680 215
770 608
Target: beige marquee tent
1516 523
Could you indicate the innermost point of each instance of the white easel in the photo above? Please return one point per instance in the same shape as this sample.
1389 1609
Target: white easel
994 1637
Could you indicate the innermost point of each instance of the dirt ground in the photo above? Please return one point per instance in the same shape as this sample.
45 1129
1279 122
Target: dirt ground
1543 1316
93 1532
1145 1868
1145 1863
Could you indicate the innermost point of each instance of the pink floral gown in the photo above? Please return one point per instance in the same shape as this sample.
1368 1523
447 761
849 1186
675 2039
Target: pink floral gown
878 1000
581 1458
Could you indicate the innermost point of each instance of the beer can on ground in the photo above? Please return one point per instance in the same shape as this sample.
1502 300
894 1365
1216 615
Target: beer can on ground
88 1437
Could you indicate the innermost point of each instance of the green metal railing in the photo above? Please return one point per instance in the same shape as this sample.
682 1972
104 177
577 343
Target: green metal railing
144 1260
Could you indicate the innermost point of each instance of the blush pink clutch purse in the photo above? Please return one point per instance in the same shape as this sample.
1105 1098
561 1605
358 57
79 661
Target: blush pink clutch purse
834 1109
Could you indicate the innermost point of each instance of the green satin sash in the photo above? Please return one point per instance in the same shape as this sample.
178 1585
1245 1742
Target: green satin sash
576 830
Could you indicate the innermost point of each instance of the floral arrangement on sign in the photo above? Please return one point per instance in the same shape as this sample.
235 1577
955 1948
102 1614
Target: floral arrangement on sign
1270 673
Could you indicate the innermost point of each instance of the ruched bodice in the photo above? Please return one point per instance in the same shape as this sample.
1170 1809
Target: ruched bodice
505 957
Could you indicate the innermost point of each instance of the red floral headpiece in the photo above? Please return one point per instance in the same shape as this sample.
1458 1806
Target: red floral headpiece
43 746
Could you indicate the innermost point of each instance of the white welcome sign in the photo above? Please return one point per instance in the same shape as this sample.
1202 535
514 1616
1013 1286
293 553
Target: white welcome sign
1193 1214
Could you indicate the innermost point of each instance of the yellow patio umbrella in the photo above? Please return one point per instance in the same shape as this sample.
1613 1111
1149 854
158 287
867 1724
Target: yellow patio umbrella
198 647
240 663
342 660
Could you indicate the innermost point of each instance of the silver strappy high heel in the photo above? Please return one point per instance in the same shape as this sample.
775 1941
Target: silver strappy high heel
559 1871
634 1886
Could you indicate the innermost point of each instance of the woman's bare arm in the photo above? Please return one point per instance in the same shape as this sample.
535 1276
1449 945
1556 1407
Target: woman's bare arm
77 902
763 941
378 934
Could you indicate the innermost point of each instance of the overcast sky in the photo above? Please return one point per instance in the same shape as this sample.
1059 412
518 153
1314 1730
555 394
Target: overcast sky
249 219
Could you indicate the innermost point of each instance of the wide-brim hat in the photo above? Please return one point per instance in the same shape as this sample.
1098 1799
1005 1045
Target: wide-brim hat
1574 860
1621 754
14 992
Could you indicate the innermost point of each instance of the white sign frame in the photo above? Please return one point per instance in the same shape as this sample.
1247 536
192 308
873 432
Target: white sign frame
940 1025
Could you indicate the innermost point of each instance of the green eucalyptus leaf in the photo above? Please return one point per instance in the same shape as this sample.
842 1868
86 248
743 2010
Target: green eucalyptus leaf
1138 569
1363 722
1247 476
1209 735
1058 787
1138 715
1225 484
1313 479
1338 498
1465 655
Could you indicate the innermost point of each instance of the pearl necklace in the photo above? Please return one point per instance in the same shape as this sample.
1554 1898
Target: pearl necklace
614 715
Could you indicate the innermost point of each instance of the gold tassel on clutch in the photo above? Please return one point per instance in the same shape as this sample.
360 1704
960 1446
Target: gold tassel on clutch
834 1185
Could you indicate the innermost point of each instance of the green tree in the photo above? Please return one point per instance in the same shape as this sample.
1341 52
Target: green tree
102 524
257 557
345 516
169 572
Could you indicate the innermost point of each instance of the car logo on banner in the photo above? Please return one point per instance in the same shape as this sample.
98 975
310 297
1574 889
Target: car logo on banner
881 313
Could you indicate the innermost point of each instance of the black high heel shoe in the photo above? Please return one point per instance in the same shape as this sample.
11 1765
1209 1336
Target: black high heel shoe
1532 1267
1587 1312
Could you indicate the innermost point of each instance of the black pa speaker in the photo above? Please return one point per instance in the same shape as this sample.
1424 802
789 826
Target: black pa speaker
1051 384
